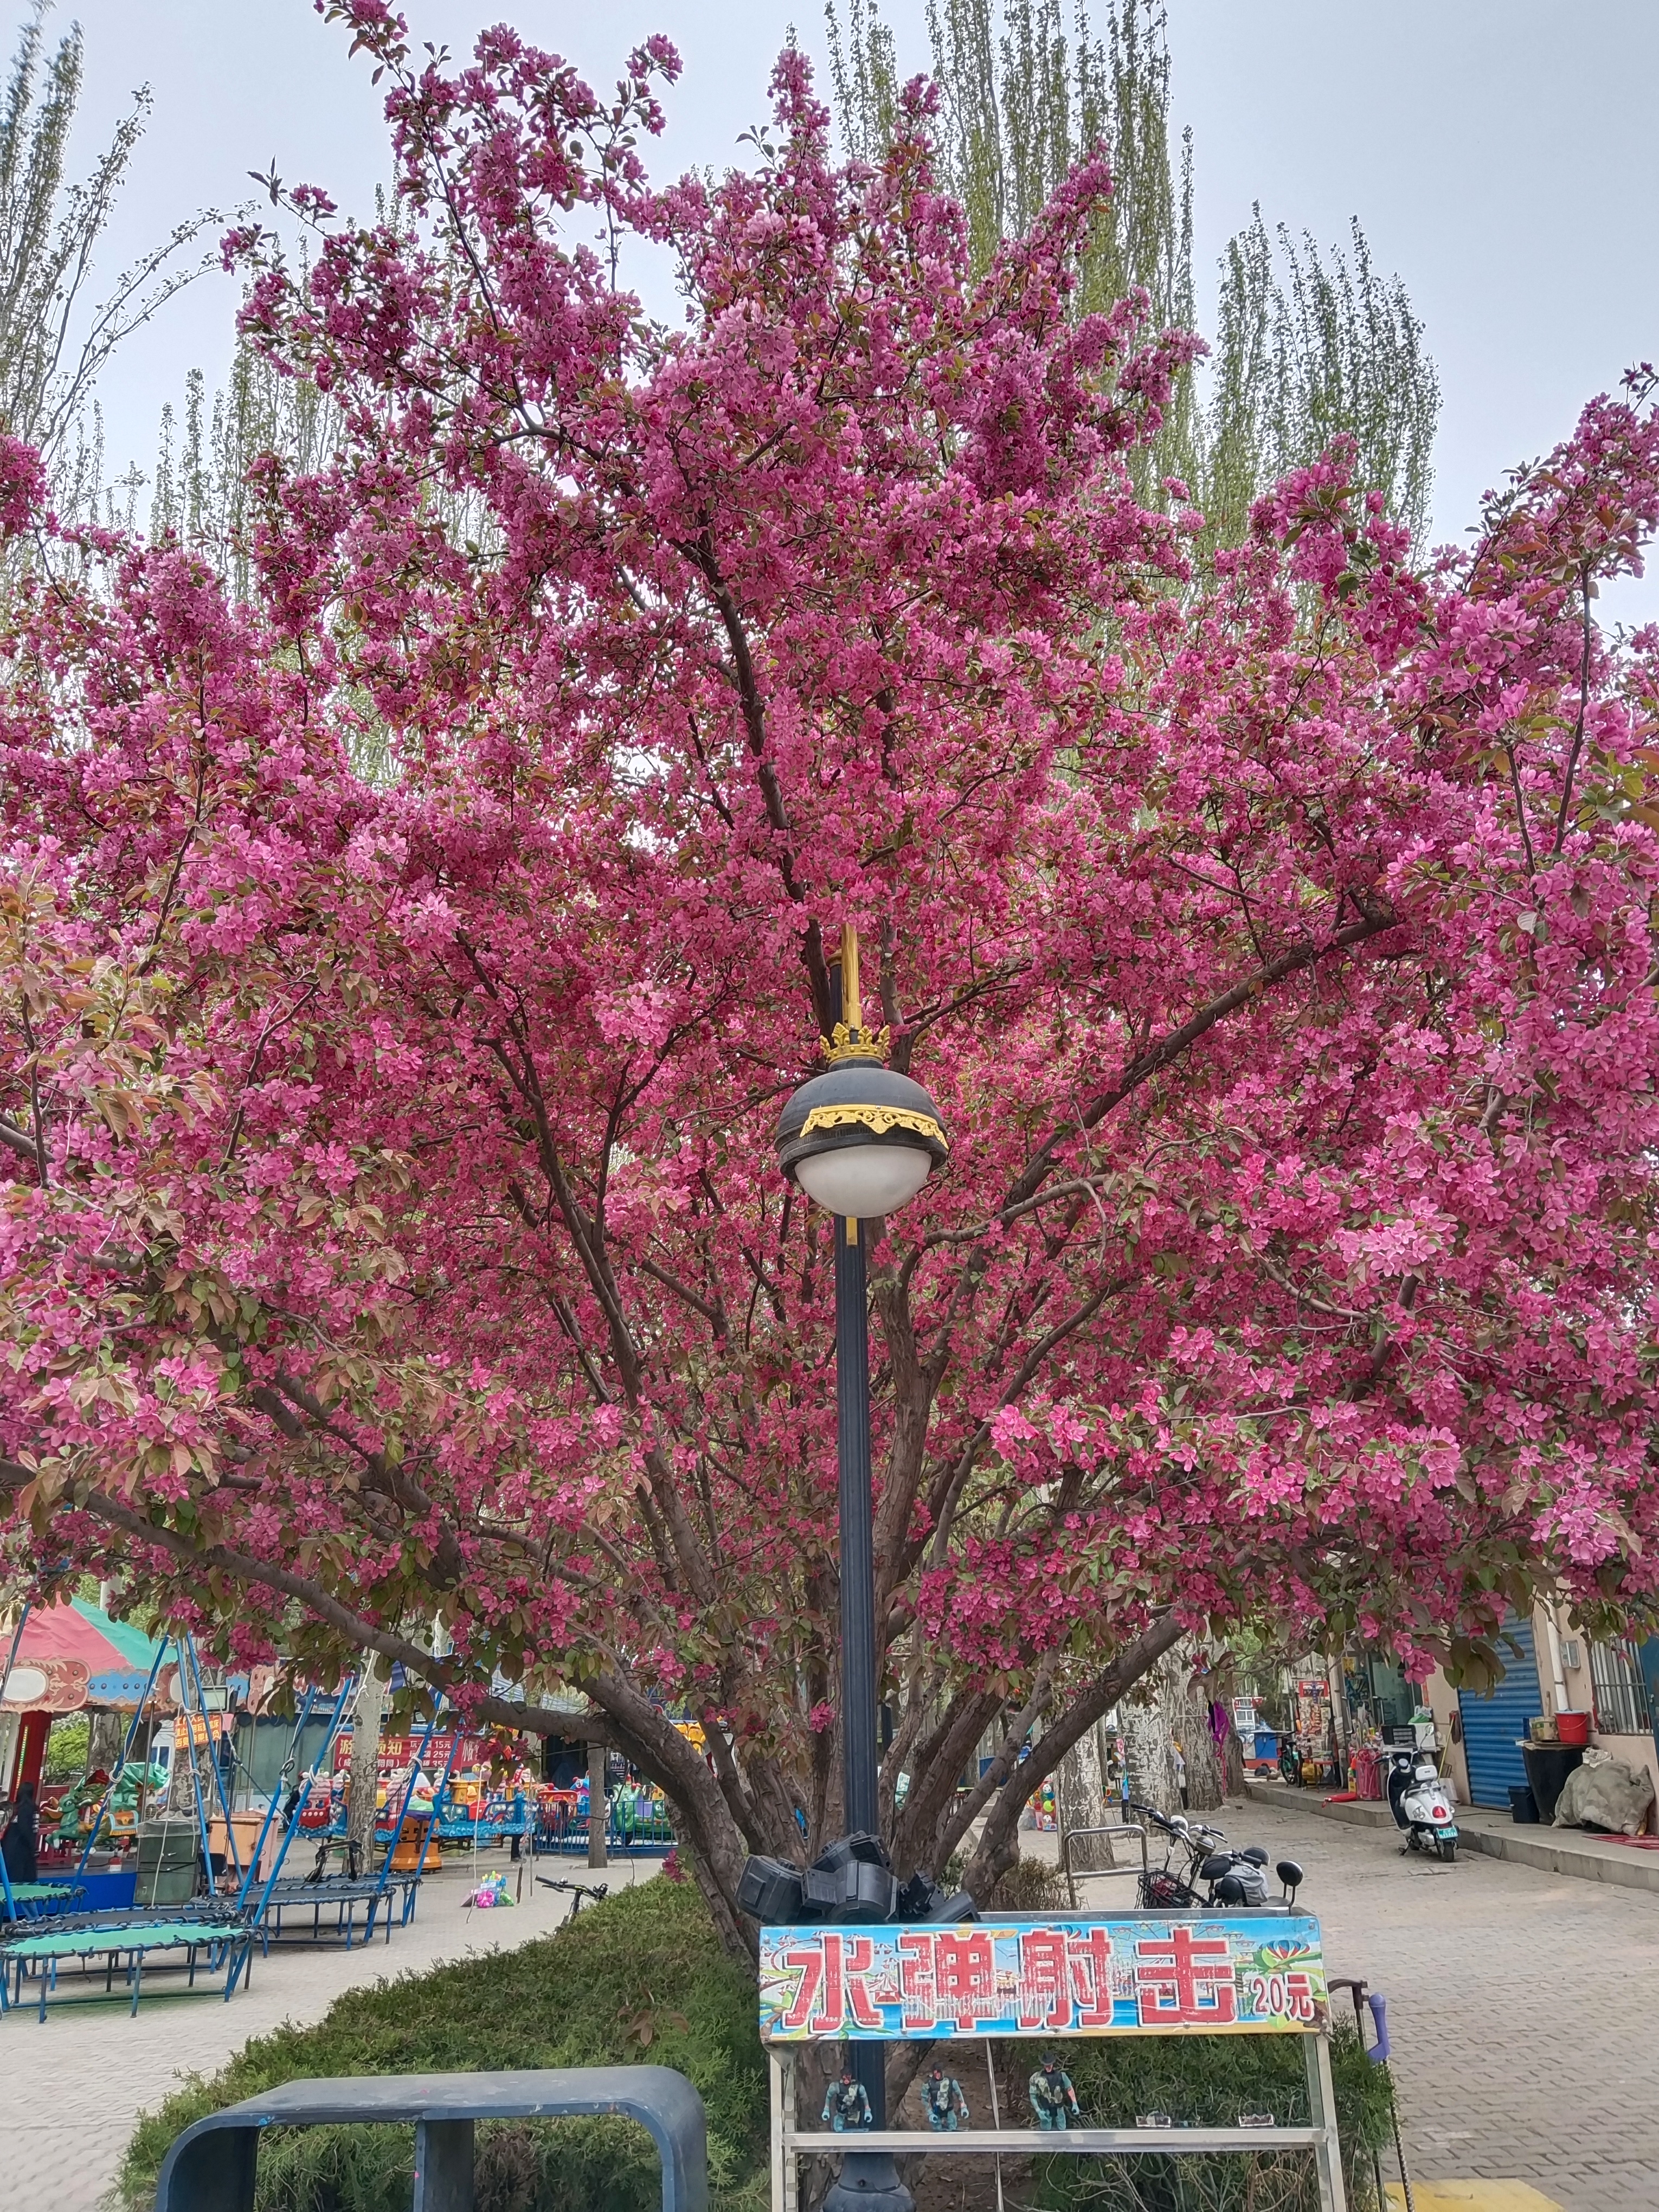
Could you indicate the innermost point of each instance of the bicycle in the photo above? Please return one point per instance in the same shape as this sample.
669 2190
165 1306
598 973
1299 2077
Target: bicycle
1231 1877
581 1893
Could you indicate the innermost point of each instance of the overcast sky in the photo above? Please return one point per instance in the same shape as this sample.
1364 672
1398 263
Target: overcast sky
1501 155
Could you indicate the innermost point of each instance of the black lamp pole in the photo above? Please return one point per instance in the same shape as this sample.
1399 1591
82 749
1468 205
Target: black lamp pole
858 1580
859 1140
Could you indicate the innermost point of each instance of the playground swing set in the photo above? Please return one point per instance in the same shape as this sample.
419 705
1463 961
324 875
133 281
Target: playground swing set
204 1929
215 1934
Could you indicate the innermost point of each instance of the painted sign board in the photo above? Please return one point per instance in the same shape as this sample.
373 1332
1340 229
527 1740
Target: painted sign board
1083 1975
46 1686
125 1688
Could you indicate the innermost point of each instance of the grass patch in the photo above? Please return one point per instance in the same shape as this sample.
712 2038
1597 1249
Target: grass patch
641 1978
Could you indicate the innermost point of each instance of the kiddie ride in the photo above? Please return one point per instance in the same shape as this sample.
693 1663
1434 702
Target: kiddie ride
459 1809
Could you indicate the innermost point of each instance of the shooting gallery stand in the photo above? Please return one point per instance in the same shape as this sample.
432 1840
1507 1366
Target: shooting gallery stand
210 2166
1048 1980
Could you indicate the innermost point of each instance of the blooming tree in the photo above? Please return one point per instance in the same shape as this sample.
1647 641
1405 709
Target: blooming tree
402 975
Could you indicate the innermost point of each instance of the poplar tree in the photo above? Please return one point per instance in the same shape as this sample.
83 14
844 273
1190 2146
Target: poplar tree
1307 345
53 345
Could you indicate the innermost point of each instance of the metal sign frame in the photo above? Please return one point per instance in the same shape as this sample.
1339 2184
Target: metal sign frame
792 2143
838 2017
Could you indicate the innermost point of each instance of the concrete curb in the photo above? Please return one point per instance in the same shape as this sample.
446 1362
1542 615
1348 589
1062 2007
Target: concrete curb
1546 1849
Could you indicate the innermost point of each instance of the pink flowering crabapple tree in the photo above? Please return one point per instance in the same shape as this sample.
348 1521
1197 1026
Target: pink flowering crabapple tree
403 974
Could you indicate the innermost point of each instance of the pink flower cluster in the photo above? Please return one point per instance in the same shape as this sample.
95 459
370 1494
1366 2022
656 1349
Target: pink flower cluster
388 1217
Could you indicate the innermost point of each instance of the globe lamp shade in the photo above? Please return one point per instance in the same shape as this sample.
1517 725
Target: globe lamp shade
860 1140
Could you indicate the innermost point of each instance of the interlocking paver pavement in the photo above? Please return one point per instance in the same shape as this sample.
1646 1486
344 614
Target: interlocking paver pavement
1524 2007
71 2088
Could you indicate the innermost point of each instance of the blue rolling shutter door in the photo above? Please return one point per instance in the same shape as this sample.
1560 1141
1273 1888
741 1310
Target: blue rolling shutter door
1492 1726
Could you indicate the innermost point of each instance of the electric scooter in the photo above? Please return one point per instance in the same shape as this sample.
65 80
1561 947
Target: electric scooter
1421 1804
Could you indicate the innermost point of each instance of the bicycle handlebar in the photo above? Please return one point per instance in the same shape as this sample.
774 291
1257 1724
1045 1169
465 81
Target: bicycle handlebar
1152 1813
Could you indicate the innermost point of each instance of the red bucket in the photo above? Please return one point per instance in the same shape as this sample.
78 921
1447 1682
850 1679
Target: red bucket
1573 1727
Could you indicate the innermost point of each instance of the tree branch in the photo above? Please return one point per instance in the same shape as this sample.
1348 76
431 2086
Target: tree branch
1148 1063
999 1840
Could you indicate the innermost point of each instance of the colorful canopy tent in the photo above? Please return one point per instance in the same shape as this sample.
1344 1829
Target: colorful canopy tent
66 1656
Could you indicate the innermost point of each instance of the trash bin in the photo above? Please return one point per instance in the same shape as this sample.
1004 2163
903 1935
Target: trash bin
169 1856
1548 1765
1523 1806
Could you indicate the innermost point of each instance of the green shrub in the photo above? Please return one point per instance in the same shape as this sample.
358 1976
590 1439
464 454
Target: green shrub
642 1977
639 1977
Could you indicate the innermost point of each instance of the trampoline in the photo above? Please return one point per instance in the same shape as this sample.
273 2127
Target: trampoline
341 1895
125 1942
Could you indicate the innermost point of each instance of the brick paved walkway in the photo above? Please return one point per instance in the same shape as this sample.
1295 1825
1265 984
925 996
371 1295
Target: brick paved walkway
71 2088
1524 2007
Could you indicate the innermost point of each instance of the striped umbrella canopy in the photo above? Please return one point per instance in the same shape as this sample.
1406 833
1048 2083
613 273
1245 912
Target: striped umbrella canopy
71 1655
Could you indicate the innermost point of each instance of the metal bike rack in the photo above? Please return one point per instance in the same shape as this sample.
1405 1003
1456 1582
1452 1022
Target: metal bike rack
1093 1873
210 2166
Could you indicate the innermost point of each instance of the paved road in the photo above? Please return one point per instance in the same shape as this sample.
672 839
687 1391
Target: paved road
1524 2007
71 2088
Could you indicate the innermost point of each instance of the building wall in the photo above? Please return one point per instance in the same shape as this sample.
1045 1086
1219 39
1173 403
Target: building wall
1638 1751
1441 1699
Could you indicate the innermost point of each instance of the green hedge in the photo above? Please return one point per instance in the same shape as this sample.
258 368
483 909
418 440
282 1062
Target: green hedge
641 1976
1210 2081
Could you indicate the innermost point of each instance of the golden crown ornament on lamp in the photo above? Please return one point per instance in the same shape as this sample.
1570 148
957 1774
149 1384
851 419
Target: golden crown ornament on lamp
860 1139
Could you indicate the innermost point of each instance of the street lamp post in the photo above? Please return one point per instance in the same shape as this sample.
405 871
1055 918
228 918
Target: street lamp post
860 1140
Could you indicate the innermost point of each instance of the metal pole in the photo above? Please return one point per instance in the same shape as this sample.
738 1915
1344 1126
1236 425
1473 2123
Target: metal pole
409 1791
5 1683
275 1796
858 1587
868 2181
858 1565
126 1753
232 1851
290 1828
597 1809
11 1655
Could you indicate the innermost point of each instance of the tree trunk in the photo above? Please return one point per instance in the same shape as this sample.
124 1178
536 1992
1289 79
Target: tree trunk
1188 1707
1080 1801
1149 1749
366 1717
1233 1776
596 1804
105 1734
726 1805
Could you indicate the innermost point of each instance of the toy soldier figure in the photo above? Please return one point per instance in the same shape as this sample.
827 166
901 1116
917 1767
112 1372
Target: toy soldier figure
943 2101
846 2105
1053 2098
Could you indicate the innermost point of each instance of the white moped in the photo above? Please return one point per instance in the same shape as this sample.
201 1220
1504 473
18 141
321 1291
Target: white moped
1421 1803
